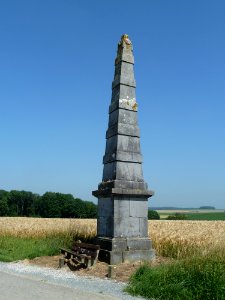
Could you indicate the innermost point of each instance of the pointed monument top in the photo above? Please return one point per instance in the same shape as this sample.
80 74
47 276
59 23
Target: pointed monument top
125 39
125 50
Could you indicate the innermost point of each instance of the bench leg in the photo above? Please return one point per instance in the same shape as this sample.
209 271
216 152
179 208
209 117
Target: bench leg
88 263
94 261
112 271
61 262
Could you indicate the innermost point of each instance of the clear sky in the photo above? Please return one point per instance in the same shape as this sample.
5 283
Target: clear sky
56 69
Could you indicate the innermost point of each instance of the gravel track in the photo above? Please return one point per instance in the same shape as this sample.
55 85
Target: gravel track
89 286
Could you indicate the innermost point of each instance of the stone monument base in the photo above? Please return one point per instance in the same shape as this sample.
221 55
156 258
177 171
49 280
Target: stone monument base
118 250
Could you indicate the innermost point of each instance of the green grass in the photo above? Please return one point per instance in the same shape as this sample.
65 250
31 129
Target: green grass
14 248
197 278
197 216
18 248
207 216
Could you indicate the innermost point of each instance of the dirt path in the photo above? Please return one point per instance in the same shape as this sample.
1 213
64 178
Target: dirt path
100 270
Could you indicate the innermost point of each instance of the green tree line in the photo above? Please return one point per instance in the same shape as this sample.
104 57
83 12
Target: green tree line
49 205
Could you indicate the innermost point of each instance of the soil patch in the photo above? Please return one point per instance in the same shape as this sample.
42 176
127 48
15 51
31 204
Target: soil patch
100 270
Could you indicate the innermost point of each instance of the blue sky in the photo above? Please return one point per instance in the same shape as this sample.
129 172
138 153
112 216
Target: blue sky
56 69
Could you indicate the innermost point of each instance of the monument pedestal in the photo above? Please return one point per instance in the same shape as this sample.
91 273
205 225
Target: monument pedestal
122 227
118 250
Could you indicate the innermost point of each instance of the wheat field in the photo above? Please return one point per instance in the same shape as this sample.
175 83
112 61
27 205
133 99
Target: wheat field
176 239
181 239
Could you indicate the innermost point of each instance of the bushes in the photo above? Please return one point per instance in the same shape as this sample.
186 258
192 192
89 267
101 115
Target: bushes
196 278
177 216
153 215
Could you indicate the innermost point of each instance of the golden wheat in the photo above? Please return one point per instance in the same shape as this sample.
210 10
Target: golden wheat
40 227
180 239
170 238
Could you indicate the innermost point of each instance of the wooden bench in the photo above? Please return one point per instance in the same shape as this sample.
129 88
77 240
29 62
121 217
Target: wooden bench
80 253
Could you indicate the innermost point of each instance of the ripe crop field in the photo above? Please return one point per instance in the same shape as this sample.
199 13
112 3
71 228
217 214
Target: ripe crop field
22 238
41 227
177 239
180 239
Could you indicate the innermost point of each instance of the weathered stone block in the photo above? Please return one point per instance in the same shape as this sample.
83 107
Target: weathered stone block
123 148
117 250
122 116
124 129
138 255
104 242
105 207
127 156
128 144
138 208
105 226
129 171
111 144
120 170
127 117
115 257
124 75
109 171
122 92
126 227
139 244
128 104
126 56
131 192
113 118
122 156
125 184
143 226
121 208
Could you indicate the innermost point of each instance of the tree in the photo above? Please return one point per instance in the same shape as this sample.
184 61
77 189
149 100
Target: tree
207 207
67 206
50 205
3 193
177 216
28 203
153 215
79 209
14 203
21 203
4 209
90 209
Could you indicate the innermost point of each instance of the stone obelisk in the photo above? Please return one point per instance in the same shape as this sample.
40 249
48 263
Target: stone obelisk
122 226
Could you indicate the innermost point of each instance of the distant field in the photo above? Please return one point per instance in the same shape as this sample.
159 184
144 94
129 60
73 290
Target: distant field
168 211
207 216
198 214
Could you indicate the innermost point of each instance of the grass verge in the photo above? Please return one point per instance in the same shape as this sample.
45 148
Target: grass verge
196 278
17 248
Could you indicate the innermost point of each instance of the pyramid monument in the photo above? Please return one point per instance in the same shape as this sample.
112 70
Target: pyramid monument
122 224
